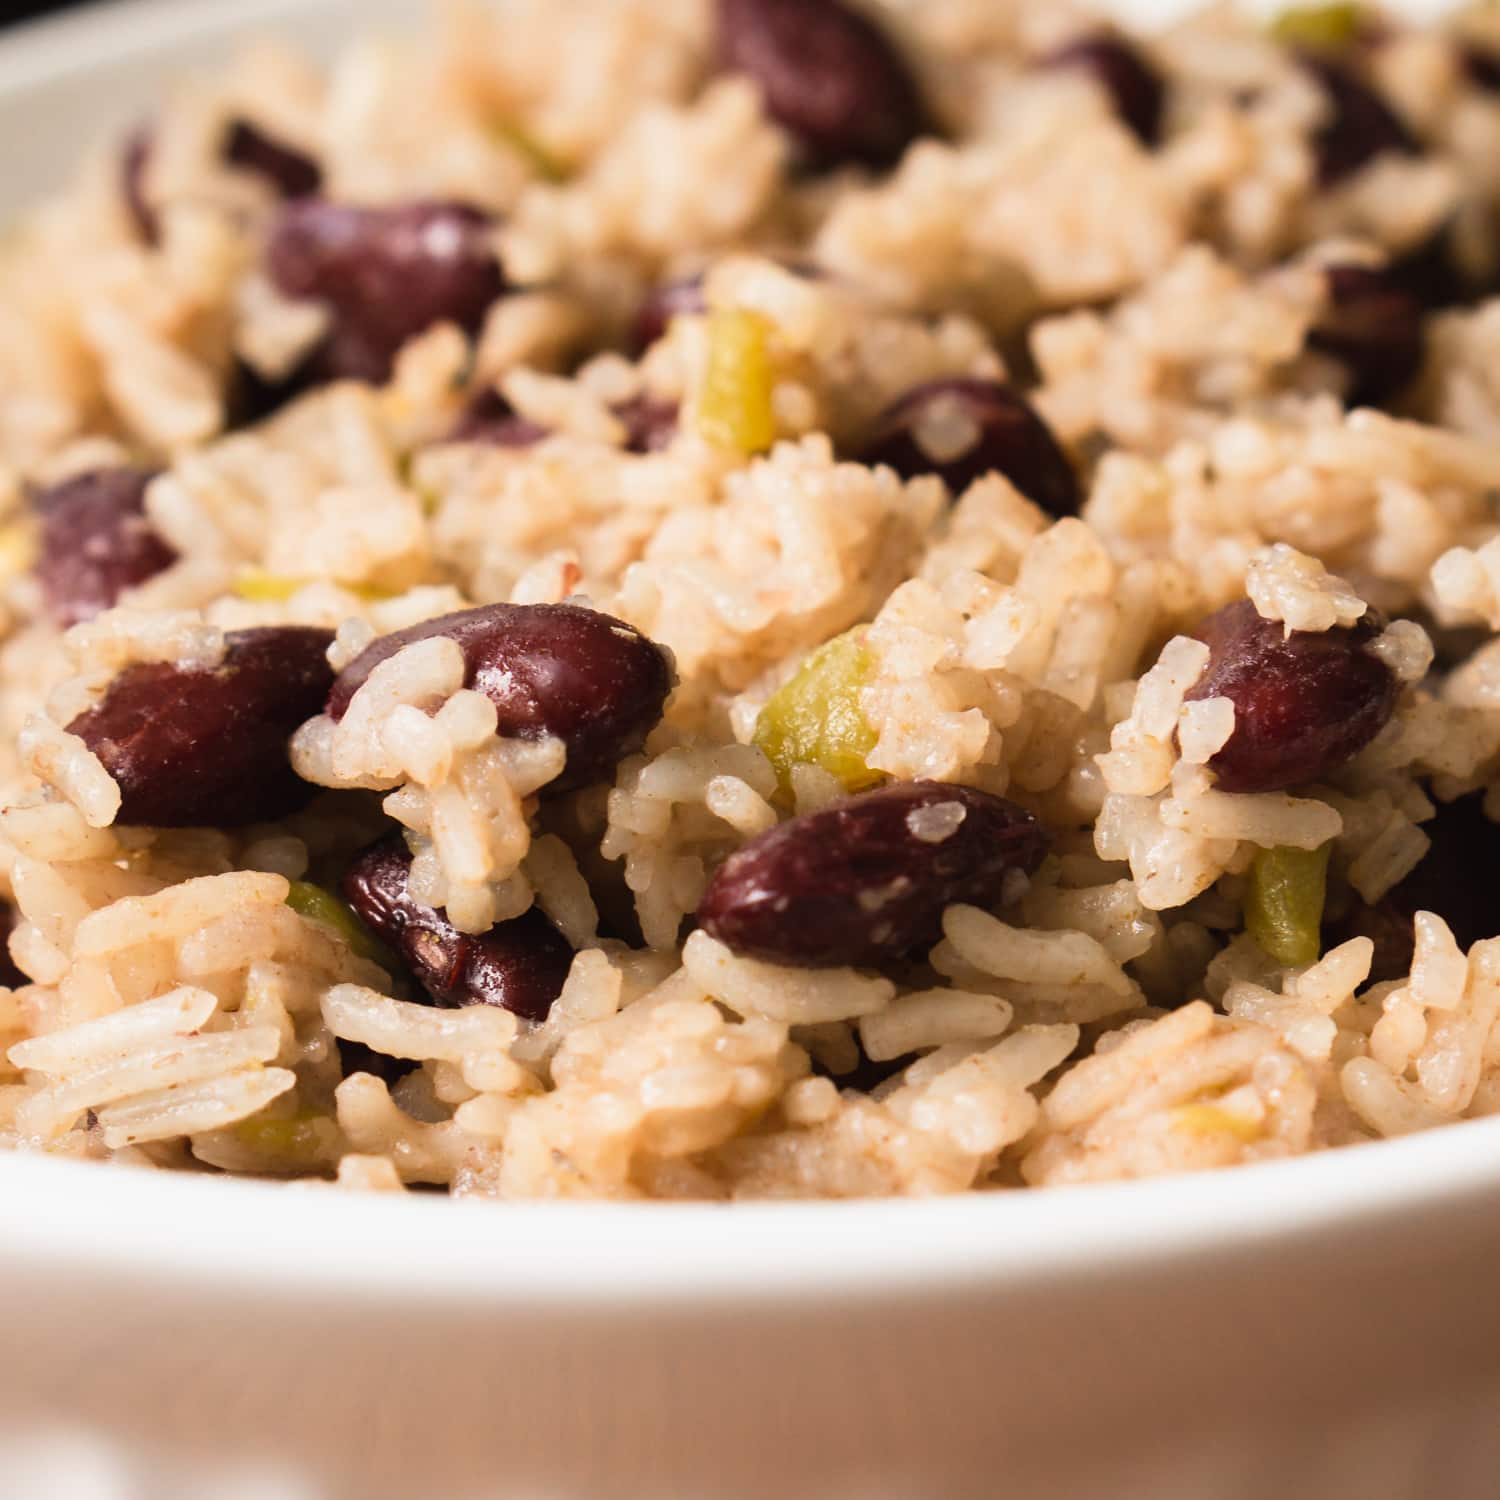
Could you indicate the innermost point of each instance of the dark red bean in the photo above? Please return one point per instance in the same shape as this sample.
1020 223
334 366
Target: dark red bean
292 173
1373 325
133 160
1452 645
11 975
672 299
1432 273
595 682
519 965
867 879
1388 929
1442 270
1009 438
250 397
489 418
289 171
1360 125
650 423
684 298
386 274
96 542
207 746
1480 66
866 1075
1134 86
1304 704
1455 879
355 1057
828 75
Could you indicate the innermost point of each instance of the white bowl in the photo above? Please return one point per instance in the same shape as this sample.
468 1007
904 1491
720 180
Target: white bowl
1322 1328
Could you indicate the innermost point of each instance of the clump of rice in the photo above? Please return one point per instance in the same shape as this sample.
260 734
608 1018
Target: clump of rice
1109 1017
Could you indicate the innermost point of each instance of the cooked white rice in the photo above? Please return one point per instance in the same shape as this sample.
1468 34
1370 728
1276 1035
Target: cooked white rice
1110 1017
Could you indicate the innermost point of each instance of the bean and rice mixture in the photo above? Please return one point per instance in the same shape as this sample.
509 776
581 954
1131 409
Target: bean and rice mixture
740 598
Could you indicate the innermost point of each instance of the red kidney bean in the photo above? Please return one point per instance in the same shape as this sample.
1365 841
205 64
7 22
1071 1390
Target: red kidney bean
671 299
1009 438
866 879
1438 274
133 160
96 542
595 682
1452 880
291 172
1360 125
1480 66
386 275
867 1075
650 424
11 975
1134 86
355 1057
1374 326
207 746
1304 703
828 75
519 965
250 397
489 418
1388 929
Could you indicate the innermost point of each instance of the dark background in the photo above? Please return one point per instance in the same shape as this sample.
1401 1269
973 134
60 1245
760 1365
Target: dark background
20 10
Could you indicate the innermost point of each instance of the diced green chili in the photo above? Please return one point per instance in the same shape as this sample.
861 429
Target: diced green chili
734 410
541 160
1284 903
815 717
261 587
319 905
1323 28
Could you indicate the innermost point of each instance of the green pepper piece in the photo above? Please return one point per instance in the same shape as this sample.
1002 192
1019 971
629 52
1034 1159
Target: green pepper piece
734 410
1320 28
1284 903
318 905
815 717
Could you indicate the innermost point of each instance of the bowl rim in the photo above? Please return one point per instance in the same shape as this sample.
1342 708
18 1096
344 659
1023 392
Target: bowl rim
197 1229
111 33
305 1239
